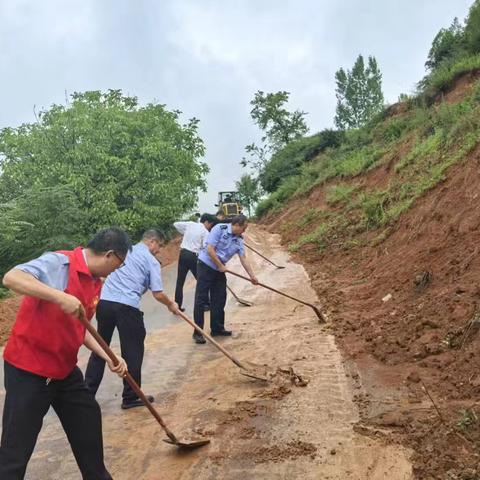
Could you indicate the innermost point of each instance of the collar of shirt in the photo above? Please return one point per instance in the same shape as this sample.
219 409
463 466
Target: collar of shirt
229 230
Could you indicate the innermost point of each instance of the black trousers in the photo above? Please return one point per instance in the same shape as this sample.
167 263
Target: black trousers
214 283
27 401
131 330
187 262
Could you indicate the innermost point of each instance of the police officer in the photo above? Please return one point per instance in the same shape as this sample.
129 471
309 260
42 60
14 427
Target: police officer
119 307
223 242
194 236
41 353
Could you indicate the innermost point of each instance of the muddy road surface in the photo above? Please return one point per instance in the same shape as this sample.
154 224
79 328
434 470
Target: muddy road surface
258 431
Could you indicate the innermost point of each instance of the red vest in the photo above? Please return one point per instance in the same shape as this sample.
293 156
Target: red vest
45 340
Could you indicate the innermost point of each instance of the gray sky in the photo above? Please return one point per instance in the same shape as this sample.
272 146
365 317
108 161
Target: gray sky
208 57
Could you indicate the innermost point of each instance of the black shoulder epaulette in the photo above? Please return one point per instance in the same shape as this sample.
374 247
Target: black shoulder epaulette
223 227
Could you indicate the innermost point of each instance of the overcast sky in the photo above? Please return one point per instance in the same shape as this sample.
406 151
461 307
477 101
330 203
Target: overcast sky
208 57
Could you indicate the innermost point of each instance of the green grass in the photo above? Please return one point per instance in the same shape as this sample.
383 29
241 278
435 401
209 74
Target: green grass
316 237
4 293
443 77
428 147
309 217
372 205
340 193
358 161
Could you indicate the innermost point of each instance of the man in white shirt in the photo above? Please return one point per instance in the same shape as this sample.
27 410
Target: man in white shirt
194 236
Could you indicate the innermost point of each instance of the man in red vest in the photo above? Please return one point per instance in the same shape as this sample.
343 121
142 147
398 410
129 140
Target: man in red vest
41 354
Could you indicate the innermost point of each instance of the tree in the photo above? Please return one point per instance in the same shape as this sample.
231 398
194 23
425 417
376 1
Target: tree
359 94
288 161
447 43
279 126
40 220
127 165
249 191
472 28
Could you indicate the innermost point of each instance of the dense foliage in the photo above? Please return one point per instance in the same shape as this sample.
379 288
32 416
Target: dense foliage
100 160
288 161
126 165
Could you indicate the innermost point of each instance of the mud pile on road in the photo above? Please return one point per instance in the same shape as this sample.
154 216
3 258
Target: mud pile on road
406 311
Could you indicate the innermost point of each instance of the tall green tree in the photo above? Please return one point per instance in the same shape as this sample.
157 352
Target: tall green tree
279 126
249 191
359 94
127 165
472 28
447 43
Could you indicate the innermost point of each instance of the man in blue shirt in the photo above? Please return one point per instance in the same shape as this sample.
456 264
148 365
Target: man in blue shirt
119 307
223 242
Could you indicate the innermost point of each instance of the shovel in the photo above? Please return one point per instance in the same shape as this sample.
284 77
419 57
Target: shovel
319 314
265 258
248 369
172 439
239 300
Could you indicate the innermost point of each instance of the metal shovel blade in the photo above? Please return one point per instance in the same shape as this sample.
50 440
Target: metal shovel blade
252 370
187 444
245 303
321 317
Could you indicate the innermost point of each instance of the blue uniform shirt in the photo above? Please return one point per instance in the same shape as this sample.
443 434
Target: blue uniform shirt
127 284
51 269
225 242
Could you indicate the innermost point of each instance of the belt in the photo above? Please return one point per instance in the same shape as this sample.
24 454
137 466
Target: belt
189 251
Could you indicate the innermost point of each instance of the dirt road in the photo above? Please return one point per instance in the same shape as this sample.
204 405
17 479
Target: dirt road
257 431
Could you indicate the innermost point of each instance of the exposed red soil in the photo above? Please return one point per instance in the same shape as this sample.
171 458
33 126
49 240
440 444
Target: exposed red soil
8 311
462 86
9 306
405 312
169 253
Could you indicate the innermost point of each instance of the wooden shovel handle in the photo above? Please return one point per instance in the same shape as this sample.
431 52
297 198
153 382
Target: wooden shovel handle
128 377
261 255
315 309
212 341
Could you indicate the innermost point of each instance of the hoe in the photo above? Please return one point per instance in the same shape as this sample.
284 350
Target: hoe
172 438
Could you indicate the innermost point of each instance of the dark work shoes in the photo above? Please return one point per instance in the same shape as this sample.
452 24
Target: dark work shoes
199 338
136 403
222 333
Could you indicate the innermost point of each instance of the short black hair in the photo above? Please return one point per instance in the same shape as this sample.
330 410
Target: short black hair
220 212
153 234
207 217
239 220
110 239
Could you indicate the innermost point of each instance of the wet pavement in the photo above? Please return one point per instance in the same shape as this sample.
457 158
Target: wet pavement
258 430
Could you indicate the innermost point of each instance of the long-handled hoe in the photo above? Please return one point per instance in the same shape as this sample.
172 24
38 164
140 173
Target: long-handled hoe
245 303
319 314
248 369
263 256
172 439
